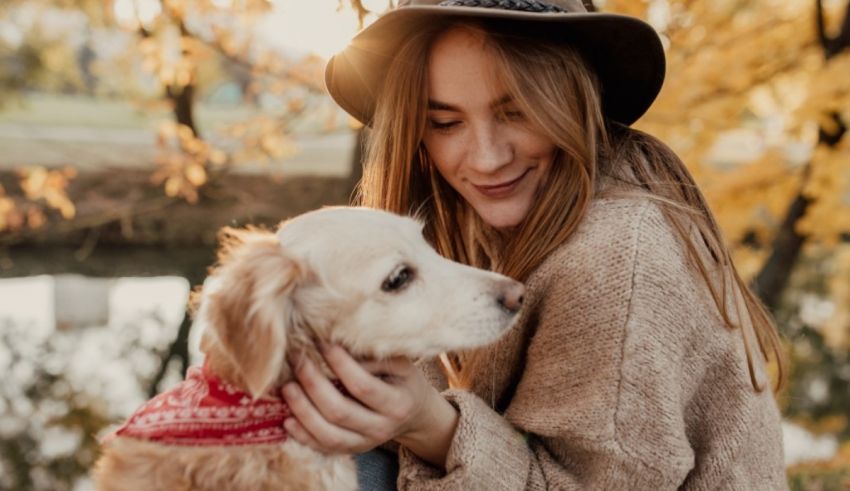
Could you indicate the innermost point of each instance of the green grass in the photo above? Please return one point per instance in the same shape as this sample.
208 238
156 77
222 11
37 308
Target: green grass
51 109
63 110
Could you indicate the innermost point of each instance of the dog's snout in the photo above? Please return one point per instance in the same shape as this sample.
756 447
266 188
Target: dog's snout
511 297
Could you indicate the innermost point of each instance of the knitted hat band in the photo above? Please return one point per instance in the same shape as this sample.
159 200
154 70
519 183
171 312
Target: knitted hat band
521 5
624 52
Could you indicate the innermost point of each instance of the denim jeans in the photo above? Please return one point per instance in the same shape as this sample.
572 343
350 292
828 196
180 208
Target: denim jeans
377 470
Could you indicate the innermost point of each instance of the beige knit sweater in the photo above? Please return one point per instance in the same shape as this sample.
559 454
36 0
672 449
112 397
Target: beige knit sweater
619 375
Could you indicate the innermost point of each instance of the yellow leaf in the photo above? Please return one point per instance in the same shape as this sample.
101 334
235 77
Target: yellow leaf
185 133
14 220
184 78
172 186
193 145
67 209
33 181
6 205
271 144
166 74
217 157
167 129
35 218
196 174
190 194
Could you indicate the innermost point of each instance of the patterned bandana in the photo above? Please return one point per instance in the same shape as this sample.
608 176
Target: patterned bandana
205 410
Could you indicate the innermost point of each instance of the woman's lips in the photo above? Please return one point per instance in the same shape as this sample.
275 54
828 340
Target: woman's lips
501 190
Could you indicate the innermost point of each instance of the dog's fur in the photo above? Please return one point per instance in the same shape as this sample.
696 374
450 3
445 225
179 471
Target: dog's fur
324 277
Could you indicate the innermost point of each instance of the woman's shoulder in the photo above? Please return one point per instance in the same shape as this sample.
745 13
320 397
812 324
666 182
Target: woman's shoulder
625 258
618 218
610 235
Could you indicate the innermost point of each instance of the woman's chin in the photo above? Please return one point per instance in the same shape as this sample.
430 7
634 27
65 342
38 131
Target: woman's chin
502 221
506 212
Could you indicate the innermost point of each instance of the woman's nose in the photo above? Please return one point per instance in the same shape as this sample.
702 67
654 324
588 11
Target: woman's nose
489 150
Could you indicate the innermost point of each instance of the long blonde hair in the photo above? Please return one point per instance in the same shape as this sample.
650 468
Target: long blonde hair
559 94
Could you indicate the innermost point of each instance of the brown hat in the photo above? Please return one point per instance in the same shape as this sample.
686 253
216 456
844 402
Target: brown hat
625 52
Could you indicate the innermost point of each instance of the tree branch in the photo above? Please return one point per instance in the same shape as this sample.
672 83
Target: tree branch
140 224
179 349
832 46
771 280
820 24
786 247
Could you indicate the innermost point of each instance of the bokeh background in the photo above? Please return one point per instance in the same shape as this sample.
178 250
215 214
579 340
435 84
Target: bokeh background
132 130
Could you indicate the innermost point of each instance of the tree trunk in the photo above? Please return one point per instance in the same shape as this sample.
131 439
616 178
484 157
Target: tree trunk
182 99
773 277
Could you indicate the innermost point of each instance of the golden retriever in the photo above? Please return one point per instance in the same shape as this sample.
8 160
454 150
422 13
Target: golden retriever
364 279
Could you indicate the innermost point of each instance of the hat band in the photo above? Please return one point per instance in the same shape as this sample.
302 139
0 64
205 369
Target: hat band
521 5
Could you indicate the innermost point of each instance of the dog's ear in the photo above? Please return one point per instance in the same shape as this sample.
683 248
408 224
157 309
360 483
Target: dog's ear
251 310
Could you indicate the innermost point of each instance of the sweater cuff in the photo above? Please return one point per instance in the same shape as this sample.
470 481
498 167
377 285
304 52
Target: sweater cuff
486 452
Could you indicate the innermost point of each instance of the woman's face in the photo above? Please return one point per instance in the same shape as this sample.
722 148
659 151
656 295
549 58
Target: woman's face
476 135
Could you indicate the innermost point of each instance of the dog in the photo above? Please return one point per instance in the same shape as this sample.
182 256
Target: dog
361 278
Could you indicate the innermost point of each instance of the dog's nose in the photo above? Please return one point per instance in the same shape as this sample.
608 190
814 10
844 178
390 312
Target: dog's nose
512 296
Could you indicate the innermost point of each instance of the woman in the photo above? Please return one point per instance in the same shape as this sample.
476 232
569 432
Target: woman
639 359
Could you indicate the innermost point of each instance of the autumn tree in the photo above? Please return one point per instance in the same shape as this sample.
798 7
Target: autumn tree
143 222
757 102
159 220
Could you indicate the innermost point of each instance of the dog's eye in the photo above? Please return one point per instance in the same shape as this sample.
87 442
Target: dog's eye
398 279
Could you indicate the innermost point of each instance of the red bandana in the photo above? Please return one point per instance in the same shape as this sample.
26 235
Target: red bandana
204 410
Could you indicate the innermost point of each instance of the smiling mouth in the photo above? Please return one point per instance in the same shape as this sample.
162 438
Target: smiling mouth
503 189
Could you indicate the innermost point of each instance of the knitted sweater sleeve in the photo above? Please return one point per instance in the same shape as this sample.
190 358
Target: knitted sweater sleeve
599 404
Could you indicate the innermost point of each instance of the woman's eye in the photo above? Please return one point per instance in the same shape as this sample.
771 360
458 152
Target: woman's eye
397 279
442 125
513 115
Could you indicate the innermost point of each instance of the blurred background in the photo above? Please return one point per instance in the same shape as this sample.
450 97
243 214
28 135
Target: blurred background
132 130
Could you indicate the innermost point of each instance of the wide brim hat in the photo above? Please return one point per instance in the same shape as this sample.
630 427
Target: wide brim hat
625 52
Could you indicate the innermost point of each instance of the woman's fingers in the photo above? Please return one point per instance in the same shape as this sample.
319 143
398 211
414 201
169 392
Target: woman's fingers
325 436
297 431
360 381
336 408
389 369
334 422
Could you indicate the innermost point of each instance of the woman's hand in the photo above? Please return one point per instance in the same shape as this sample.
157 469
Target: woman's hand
396 402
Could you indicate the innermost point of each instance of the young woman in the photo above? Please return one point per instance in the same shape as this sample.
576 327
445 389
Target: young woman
639 359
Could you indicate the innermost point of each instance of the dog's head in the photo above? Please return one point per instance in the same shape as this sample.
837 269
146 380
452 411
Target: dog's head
364 279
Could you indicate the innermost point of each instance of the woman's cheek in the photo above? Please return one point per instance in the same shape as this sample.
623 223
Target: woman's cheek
441 156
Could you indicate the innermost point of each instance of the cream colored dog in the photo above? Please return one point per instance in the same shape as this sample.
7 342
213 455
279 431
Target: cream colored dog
361 278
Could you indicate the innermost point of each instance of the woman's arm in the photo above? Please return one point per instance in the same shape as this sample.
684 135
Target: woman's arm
431 441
